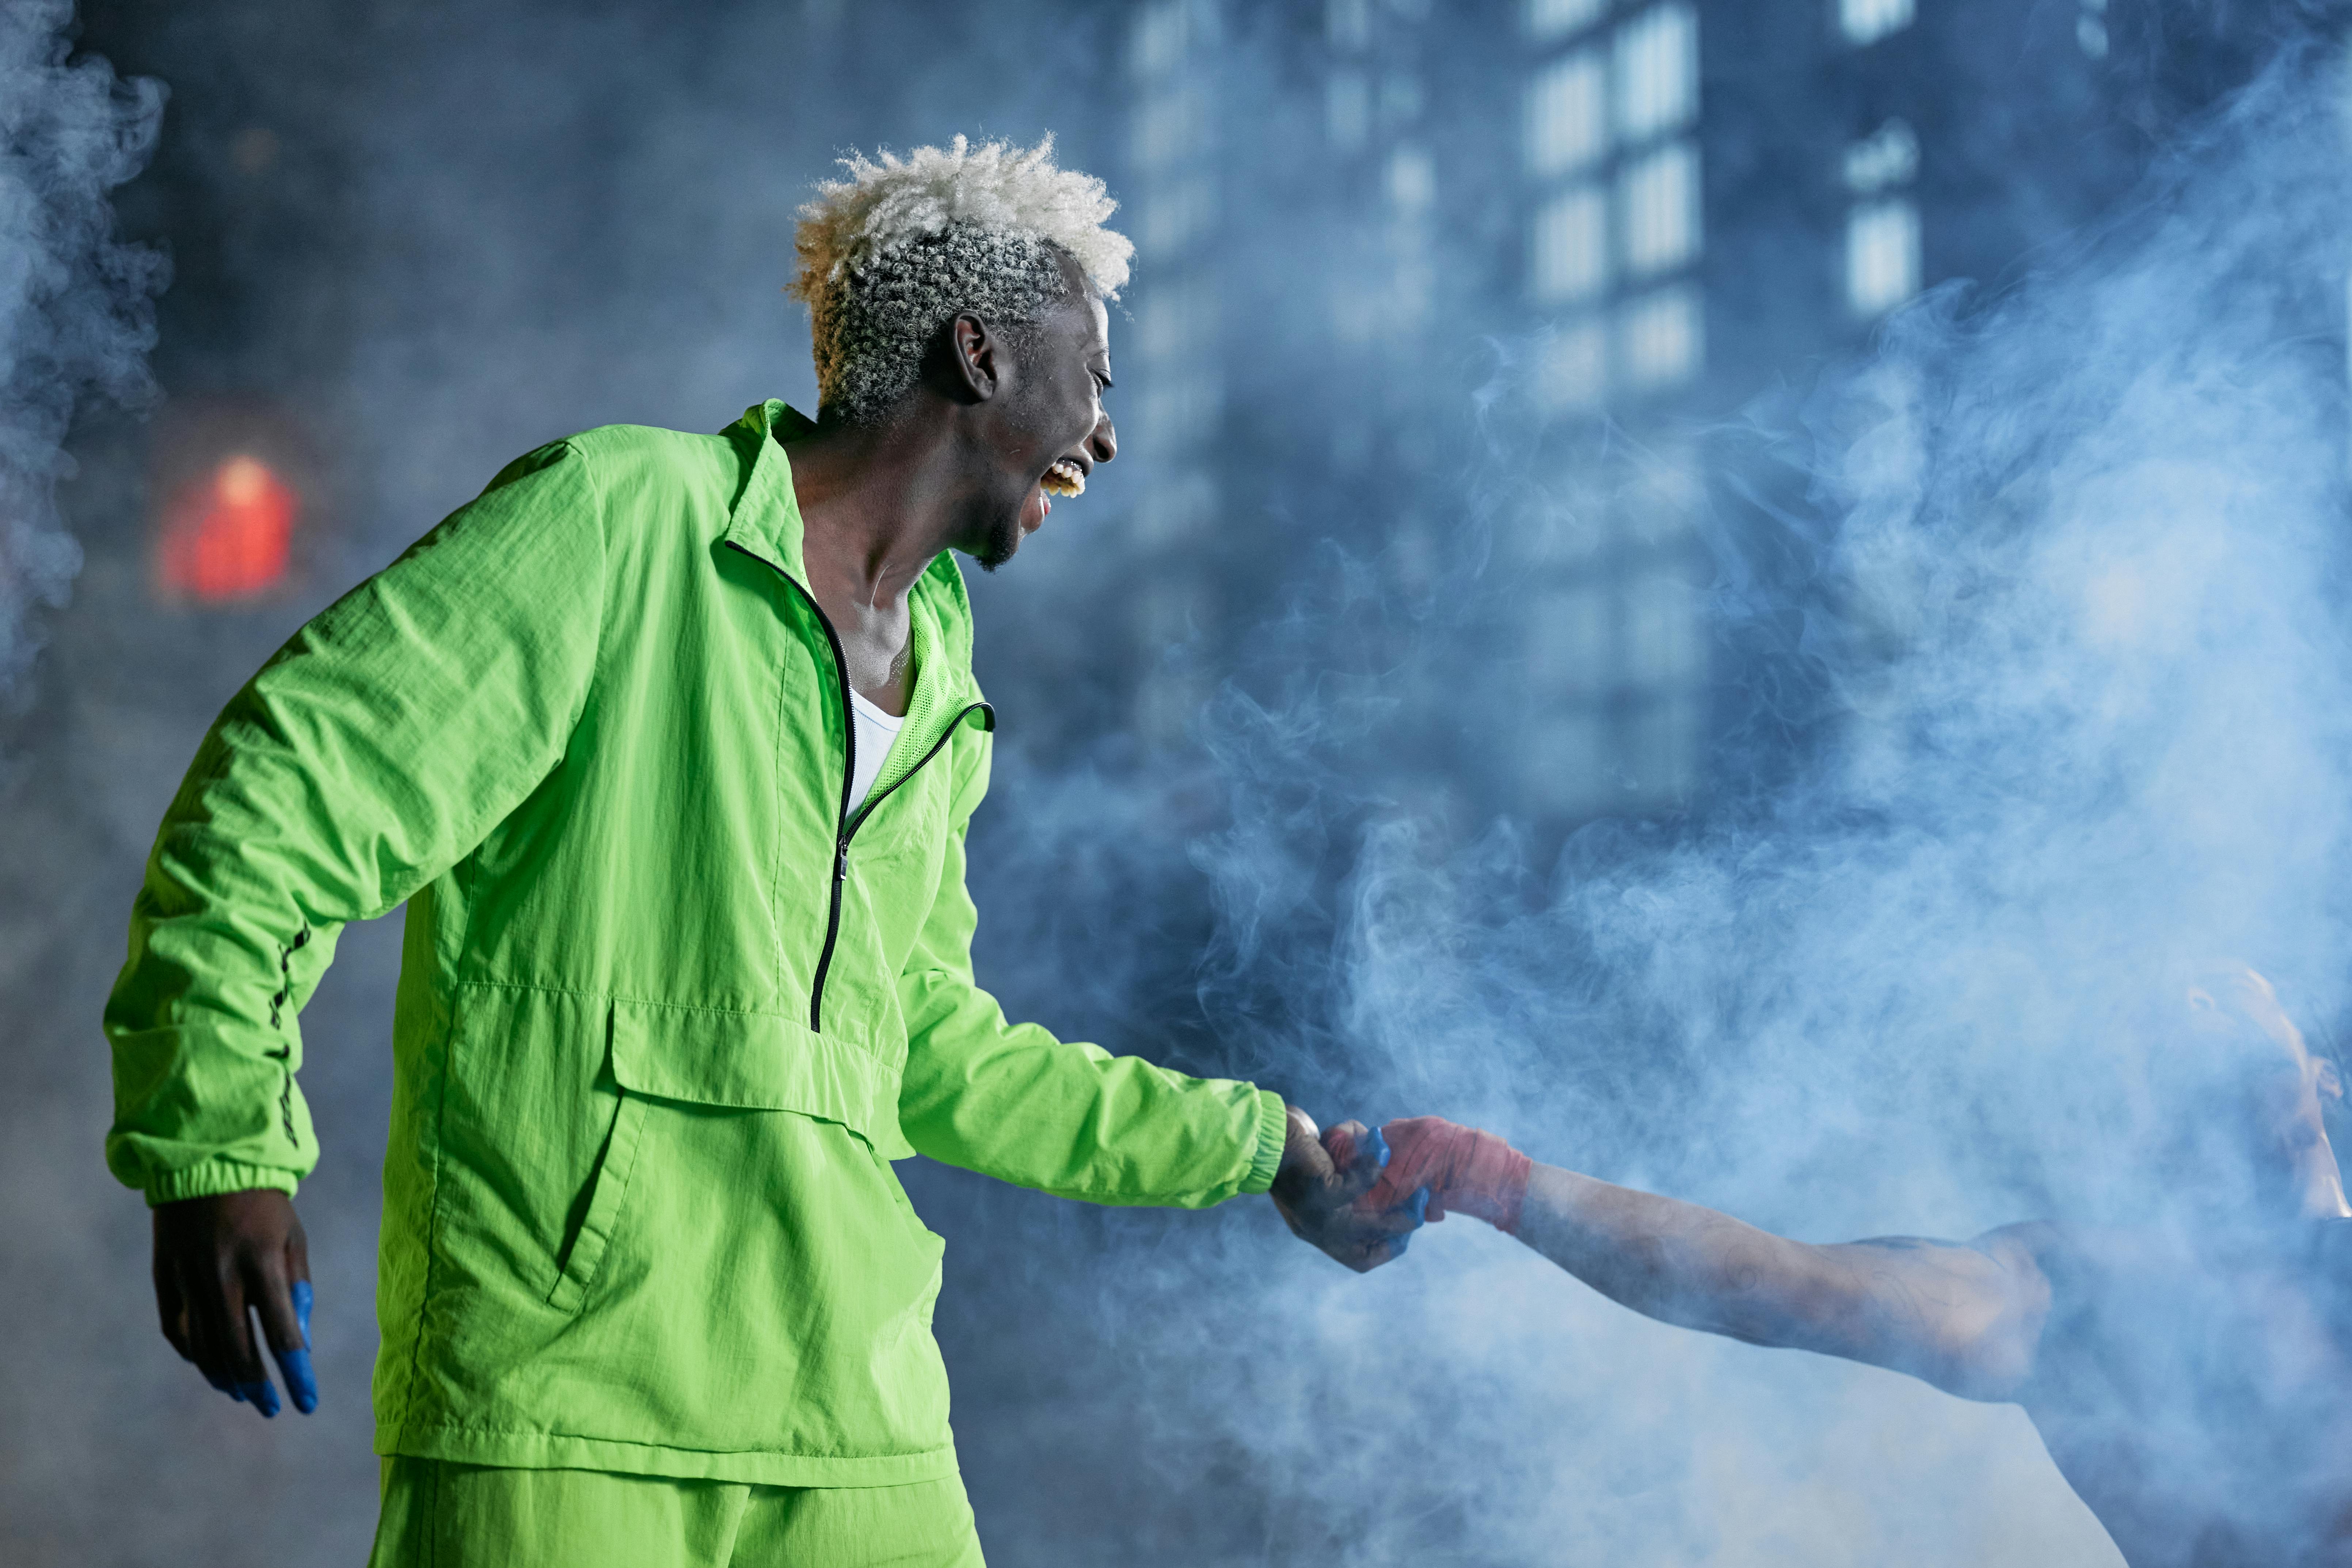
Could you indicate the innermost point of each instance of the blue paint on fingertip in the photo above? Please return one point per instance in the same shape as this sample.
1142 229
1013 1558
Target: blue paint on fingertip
1380 1147
301 1382
1419 1205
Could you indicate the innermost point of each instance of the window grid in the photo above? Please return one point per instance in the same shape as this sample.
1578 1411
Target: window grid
1615 654
1618 197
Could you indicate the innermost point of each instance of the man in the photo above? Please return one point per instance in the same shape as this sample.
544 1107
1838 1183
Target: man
2191 1379
670 742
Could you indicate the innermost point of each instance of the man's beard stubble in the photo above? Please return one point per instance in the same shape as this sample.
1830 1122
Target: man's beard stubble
1003 541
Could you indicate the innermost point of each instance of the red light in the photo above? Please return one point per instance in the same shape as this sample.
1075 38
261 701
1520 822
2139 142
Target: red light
226 534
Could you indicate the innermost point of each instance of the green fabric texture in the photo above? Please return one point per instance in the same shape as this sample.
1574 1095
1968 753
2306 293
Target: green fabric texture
639 1213
440 1515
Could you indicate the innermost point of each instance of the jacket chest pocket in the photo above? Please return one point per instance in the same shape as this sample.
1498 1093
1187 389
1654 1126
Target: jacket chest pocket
752 1062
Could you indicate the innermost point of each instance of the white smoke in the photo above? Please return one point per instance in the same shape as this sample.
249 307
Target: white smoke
76 305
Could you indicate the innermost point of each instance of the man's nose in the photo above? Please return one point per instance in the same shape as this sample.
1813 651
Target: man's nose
1103 445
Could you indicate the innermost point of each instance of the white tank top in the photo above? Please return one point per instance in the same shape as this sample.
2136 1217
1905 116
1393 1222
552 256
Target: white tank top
876 729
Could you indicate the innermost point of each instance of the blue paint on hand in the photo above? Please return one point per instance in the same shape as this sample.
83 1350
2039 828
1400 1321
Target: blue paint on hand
260 1395
294 1365
1380 1147
1419 1205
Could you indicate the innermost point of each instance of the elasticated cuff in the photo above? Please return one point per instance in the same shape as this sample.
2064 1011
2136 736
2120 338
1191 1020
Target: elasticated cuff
1273 1132
214 1177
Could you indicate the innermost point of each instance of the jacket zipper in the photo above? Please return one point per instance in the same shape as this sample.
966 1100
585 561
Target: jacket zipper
844 827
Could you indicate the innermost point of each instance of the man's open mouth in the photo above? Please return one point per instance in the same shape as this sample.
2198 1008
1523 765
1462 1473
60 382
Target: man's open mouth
1065 478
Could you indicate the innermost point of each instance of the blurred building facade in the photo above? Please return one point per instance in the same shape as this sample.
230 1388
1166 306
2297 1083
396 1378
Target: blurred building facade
1592 231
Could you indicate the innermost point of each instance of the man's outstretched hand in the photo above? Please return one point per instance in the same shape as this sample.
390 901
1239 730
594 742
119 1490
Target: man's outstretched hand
215 1260
1441 1167
1321 1178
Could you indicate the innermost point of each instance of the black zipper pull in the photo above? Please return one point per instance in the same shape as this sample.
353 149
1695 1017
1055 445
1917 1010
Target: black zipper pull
841 859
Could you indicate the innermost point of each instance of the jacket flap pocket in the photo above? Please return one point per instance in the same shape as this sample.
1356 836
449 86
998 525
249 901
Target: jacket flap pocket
755 1061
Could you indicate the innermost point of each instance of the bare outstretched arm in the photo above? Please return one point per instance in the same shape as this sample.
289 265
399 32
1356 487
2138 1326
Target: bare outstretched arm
1963 1317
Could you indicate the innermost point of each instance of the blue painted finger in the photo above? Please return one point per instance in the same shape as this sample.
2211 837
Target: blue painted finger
301 1382
1380 1147
1419 1205
260 1395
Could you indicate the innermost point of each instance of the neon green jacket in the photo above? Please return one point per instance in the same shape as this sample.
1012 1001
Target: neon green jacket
666 1011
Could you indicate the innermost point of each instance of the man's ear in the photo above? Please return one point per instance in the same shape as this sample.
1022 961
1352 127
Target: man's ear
974 358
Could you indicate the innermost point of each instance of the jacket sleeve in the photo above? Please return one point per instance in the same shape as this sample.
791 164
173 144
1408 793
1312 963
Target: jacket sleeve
373 751
1011 1101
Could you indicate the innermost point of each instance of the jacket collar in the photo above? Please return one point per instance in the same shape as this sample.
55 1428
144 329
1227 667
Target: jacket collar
765 519
765 522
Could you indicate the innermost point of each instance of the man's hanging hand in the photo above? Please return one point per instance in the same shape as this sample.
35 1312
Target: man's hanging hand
1315 1189
218 1261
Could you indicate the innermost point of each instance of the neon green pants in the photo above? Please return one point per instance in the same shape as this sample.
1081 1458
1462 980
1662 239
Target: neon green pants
440 1515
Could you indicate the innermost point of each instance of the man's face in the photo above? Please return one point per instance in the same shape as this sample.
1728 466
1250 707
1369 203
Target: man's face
1049 429
2276 1085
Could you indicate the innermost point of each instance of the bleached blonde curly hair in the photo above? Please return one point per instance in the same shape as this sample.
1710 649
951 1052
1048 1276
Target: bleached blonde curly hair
905 244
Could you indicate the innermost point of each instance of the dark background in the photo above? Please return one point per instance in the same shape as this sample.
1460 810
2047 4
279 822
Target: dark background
408 241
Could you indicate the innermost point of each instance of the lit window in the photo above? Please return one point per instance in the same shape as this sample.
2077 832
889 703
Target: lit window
1660 761
1170 124
1569 759
1567 643
1572 245
1661 338
1548 19
1347 105
1413 181
1658 71
1349 23
2091 33
1572 369
1567 121
1887 157
1161 37
1661 632
226 534
1867 21
1659 199
1882 256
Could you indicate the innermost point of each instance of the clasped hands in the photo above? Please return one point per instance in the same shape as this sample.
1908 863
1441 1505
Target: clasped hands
1359 1194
